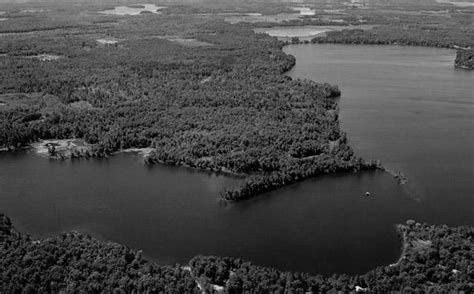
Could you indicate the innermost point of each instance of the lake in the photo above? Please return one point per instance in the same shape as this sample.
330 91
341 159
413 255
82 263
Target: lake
410 108
305 32
133 9
322 225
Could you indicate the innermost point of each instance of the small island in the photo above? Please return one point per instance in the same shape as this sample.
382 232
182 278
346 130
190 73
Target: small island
465 59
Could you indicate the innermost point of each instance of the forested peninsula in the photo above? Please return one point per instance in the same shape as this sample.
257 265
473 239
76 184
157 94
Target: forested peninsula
220 102
434 259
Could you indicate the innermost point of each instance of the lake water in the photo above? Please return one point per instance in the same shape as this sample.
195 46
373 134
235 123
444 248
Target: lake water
133 10
322 225
410 108
290 32
305 32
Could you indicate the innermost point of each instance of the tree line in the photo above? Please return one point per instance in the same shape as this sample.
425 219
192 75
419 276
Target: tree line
436 259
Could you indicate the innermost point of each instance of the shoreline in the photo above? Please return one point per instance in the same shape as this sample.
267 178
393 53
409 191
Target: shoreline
418 243
141 151
222 170
303 42
68 146
62 148
67 149
402 231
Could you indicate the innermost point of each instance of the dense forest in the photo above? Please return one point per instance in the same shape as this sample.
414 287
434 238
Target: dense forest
78 263
434 259
199 91
427 24
465 59
405 27
219 100
402 35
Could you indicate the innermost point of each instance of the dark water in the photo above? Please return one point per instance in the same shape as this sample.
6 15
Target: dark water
323 225
410 108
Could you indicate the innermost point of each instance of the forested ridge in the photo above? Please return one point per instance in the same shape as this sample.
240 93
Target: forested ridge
222 104
435 259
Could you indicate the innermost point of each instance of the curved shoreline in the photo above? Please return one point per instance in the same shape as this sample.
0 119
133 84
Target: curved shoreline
224 274
402 232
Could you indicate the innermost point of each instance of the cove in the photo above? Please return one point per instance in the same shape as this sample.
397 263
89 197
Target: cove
322 225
